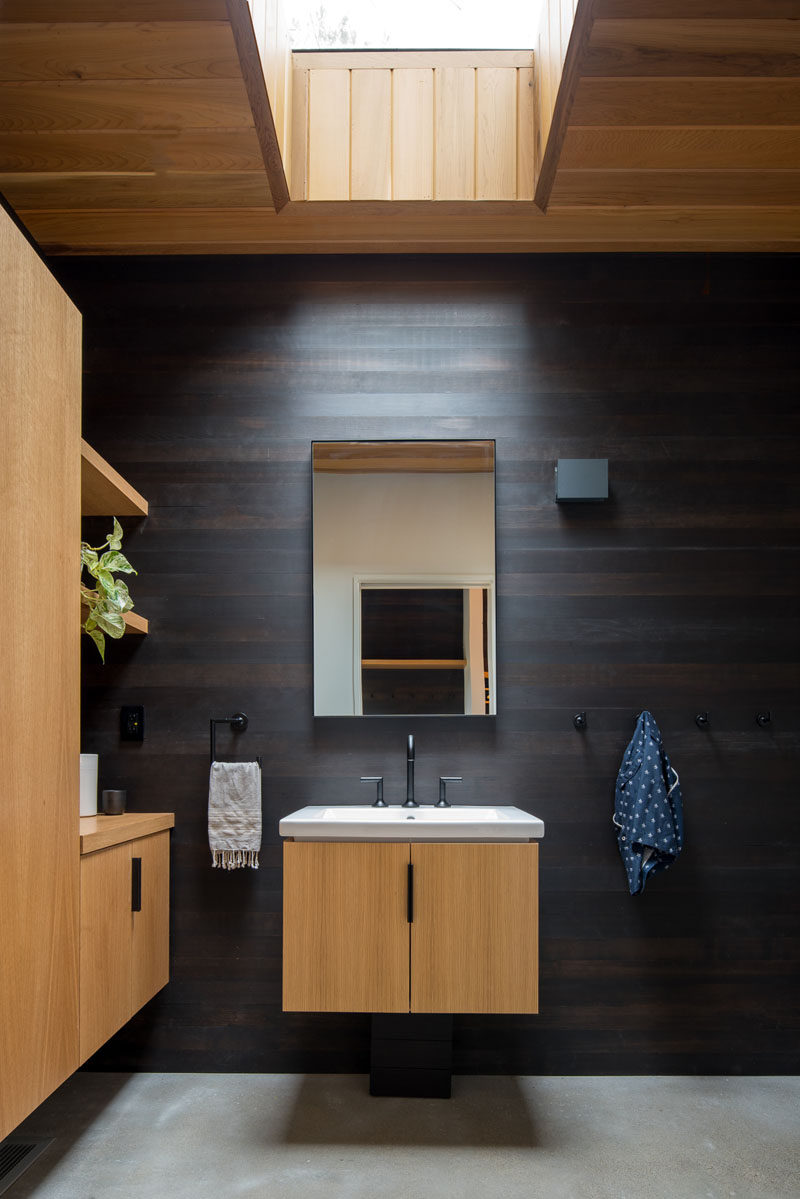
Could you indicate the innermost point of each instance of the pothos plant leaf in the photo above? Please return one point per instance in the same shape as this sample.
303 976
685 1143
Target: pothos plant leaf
106 604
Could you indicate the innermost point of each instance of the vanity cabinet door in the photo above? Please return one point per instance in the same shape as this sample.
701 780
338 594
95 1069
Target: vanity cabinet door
345 927
124 948
106 925
474 937
150 931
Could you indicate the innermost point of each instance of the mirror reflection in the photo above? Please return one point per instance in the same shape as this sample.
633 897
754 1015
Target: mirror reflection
404 578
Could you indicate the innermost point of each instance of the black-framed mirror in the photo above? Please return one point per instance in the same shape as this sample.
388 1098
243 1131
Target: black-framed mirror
404 578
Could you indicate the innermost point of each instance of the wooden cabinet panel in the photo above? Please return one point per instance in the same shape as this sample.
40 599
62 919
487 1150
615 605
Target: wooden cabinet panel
472 945
106 927
40 395
474 939
345 927
150 946
124 953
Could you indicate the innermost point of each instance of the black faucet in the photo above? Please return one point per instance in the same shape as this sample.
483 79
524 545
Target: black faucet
410 801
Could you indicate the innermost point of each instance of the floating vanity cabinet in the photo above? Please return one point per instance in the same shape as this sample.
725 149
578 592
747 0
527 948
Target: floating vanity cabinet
419 927
124 942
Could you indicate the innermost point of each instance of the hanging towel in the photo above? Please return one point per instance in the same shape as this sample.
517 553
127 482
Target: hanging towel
648 809
234 814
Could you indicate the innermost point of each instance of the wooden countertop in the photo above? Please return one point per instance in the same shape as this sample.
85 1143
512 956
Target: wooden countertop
98 832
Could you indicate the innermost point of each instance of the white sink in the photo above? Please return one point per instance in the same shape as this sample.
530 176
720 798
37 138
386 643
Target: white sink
425 823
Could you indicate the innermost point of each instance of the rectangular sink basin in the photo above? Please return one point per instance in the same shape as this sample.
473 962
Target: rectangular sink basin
359 822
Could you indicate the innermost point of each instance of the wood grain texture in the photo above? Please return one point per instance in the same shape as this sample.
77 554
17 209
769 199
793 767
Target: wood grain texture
474 937
412 133
454 133
150 926
111 151
693 48
52 11
106 926
371 135
101 832
680 594
563 35
526 133
137 50
728 188
680 149
40 382
137 192
451 456
686 102
104 491
495 134
446 227
345 932
263 118
365 60
329 135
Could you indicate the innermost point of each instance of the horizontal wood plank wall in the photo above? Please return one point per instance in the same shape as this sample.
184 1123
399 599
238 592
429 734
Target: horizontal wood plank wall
447 125
679 594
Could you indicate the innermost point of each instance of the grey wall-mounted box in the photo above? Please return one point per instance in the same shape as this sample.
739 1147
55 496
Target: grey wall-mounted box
581 480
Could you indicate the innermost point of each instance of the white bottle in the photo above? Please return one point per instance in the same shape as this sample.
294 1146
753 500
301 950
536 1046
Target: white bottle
88 784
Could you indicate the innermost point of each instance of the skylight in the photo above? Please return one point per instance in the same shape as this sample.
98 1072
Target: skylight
414 24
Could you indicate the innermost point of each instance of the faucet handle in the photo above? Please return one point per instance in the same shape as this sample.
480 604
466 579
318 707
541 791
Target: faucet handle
444 779
376 778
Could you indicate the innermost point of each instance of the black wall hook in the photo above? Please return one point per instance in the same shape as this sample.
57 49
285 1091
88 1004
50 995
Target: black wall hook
763 718
701 720
579 720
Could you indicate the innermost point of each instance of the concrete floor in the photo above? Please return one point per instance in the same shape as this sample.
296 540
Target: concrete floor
218 1136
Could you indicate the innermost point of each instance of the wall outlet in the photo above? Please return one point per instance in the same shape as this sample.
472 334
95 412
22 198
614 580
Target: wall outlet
131 723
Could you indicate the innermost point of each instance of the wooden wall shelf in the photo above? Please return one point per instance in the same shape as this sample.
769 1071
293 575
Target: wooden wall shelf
134 623
104 492
413 663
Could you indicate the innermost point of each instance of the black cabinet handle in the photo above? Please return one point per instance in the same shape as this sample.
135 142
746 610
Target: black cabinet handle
136 884
410 892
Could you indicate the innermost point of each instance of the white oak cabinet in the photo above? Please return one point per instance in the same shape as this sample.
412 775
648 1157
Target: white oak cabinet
419 927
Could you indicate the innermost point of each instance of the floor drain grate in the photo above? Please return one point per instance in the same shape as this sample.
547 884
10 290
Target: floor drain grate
16 1155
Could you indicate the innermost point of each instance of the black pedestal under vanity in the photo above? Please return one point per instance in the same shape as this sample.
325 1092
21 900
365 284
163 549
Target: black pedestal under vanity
411 1056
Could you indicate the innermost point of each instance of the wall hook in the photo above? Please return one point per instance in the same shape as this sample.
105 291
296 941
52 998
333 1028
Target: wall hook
701 720
763 718
579 720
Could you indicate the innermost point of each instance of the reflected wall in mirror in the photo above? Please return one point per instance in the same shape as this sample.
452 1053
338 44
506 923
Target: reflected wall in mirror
404 578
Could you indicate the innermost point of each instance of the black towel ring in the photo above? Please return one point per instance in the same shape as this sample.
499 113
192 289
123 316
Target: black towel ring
238 723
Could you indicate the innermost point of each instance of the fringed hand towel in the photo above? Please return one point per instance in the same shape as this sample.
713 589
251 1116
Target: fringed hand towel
648 809
234 814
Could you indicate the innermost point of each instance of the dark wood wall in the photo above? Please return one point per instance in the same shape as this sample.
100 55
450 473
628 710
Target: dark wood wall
206 381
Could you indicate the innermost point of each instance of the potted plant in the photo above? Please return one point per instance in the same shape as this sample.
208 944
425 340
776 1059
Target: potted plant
107 602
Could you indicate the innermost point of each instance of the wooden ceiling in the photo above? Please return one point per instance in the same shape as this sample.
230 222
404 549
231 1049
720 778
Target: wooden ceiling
684 103
132 105
143 126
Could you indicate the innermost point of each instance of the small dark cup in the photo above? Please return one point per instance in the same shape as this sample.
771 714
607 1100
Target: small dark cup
114 802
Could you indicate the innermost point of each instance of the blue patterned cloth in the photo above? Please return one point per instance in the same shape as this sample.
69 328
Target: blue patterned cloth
648 810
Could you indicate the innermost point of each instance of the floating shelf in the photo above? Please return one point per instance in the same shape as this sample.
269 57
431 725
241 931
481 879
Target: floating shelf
104 492
134 623
413 663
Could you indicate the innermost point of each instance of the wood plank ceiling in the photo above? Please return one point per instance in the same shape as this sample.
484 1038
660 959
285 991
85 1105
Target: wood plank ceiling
143 126
137 105
680 102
